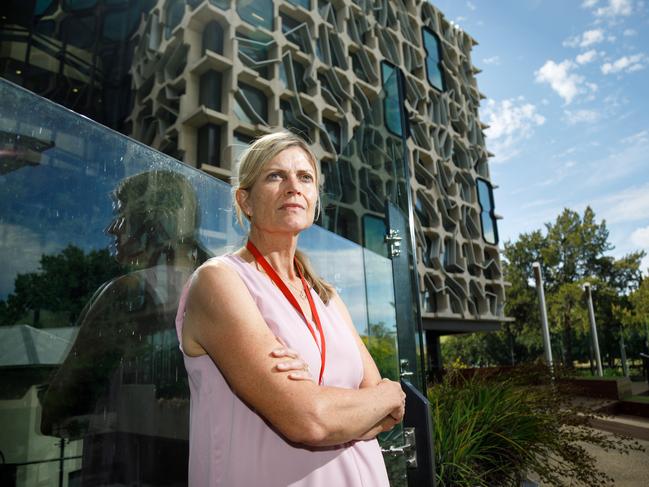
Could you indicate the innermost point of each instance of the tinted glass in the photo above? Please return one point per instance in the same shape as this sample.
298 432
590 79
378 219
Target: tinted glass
98 235
391 102
256 12
433 60
487 218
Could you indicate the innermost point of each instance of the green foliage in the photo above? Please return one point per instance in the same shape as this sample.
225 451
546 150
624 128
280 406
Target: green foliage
490 431
63 285
382 347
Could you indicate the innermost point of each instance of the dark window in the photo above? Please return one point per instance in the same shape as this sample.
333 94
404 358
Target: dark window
76 5
298 73
301 3
254 52
252 104
291 122
487 217
334 131
296 32
256 12
173 15
223 4
433 60
392 105
209 144
210 90
213 38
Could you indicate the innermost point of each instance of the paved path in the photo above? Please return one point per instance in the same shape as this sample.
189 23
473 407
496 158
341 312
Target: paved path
630 470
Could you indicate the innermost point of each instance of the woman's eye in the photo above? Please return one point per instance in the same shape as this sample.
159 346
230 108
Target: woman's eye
307 177
274 175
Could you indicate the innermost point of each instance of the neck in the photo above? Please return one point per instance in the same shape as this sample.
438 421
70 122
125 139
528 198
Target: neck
278 249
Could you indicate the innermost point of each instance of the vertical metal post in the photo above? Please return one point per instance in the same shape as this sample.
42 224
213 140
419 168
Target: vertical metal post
538 277
593 329
625 365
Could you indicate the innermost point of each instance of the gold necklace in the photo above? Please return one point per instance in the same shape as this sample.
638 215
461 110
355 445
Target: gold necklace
301 292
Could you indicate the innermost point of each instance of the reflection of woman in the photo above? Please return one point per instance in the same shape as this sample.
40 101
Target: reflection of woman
107 390
250 423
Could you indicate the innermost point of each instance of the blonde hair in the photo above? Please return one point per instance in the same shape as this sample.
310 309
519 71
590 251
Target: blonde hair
252 162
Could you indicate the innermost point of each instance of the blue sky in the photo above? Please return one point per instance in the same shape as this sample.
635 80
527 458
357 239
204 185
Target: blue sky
566 85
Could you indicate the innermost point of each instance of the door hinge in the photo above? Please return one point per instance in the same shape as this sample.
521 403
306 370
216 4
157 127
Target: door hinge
409 448
393 239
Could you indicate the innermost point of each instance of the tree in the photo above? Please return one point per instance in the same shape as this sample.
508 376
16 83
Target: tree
64 283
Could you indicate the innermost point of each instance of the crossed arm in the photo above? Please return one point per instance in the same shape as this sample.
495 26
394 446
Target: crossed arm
223 321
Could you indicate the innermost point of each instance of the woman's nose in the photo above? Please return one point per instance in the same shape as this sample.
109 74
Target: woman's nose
293 185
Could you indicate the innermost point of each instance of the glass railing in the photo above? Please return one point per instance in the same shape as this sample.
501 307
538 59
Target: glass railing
98 234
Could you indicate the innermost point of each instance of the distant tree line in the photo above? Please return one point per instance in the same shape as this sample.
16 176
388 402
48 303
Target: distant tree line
572 250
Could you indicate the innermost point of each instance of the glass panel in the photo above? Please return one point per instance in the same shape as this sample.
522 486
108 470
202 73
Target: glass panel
210 90
94 387
487 219
97 236
75 5
254 51
256 12
173 15
433 60
391 103
209 145
213 38
251 105
301 3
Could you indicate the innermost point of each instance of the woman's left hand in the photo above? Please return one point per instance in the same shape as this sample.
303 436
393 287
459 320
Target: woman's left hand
298 369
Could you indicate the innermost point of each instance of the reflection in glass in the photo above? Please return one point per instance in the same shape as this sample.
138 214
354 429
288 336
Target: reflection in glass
434 71
209 145
392 102
487 218
213 38
254 52
210 90
251 105
256 12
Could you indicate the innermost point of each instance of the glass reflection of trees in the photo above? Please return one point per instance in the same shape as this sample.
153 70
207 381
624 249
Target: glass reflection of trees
123 377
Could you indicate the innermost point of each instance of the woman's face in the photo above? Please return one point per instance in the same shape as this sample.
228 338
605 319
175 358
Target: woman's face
283 198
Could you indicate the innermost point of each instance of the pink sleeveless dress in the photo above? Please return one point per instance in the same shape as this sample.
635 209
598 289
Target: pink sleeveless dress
232 446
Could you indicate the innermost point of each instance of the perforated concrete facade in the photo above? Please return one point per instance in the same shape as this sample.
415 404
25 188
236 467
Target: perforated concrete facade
318 70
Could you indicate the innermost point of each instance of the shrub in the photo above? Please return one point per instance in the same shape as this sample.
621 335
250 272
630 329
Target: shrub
490 431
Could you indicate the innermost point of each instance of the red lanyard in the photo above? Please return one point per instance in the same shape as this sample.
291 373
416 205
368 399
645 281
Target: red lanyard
261 260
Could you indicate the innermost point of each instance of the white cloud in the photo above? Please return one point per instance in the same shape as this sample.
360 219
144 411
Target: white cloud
588 3
591 37
629 32
615 8
510 122
630 204
640 237
586 57
639 138
586 39
495 60
581 116
627 64
470 5
562 80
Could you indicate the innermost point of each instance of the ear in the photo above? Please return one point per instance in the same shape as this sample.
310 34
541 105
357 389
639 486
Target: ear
242 200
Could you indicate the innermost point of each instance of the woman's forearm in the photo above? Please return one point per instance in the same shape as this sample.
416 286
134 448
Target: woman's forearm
338 415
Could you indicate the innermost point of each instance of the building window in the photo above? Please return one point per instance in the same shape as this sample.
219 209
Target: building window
298 74
241 143
251 104
487 216
296 32
301 3
254 52
213 38
256 12
210 90
392 103
209 145
173 15
335 132
291 122
433 60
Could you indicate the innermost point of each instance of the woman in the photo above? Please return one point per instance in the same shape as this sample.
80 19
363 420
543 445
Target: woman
253 420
